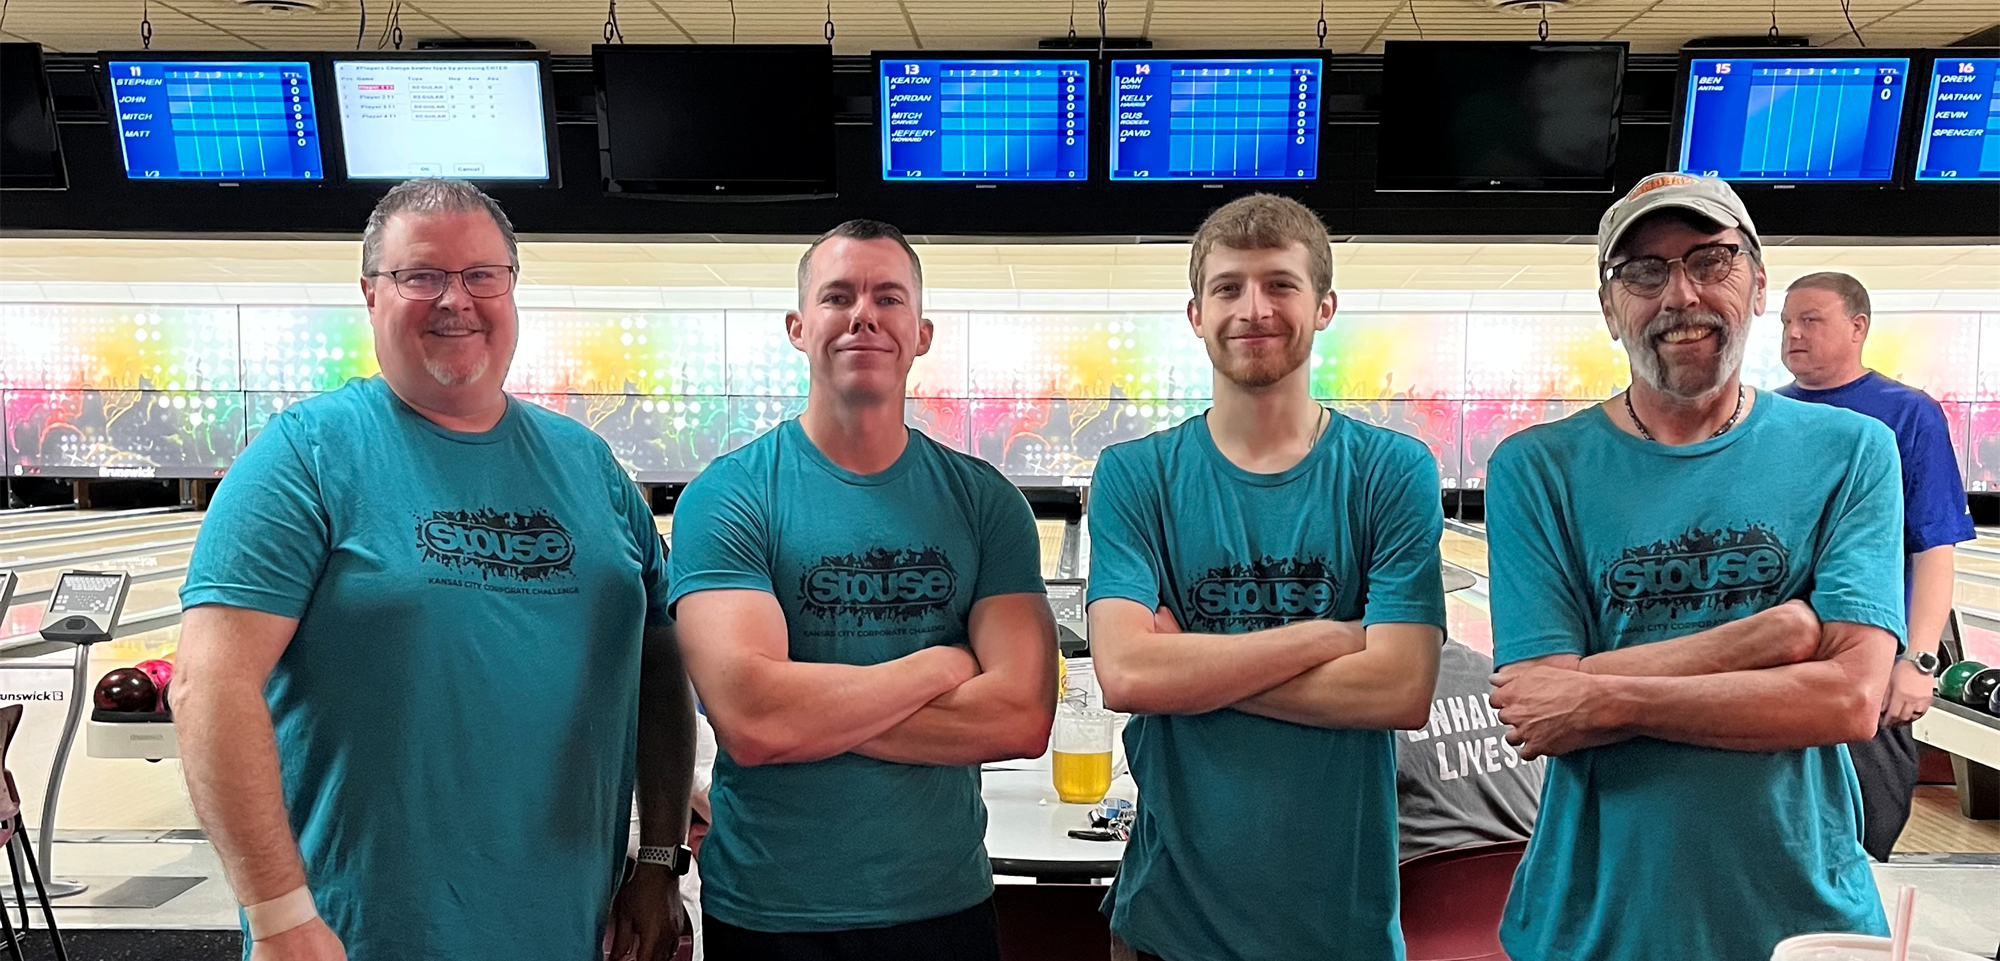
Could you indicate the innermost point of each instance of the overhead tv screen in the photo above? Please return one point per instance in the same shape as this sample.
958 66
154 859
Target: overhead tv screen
1216 118
30 147
973 119
216 119
1496 115
1961 131
716 120
470 119
1792 119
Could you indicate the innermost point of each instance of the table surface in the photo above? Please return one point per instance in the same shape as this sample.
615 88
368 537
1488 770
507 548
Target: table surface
1025 821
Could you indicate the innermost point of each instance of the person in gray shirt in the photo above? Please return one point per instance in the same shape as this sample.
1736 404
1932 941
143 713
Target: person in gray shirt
1458 781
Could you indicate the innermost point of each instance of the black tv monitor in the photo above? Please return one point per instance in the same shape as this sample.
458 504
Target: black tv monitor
482 116
1959 140
30 147
1197 116
716 121
1499 115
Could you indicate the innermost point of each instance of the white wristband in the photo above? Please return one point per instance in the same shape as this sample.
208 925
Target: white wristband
280 914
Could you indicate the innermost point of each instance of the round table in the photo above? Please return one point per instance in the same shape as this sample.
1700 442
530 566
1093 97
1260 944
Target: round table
1027 829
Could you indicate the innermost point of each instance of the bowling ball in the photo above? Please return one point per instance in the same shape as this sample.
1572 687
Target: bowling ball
160 671
1951 683
166 695
1979 688
127 689
1993 703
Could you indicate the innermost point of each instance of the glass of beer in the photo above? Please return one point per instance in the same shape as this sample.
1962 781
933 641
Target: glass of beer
1080 754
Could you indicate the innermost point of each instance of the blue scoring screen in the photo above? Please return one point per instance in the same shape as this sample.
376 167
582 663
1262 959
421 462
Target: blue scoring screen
1962 127
985 120
1215 119
1793 119
216 120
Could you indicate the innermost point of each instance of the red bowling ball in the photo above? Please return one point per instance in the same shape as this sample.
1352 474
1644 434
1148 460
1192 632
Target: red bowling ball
160 671
127 690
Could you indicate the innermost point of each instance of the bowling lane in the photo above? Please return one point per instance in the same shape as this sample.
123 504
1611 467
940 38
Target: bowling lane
86 522
156 523
138 566
1466 552
165 540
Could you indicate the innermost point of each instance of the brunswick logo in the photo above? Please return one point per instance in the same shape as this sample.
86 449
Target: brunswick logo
1698 569
529 547
1263 593
880 584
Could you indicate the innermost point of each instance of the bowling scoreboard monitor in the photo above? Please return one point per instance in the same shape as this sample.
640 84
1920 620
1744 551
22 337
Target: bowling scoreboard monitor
1961 128
85 605
483 117
223 118
1770 117
982 119
1220 117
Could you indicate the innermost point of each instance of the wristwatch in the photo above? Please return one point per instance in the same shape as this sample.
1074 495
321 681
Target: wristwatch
1926 663
676 858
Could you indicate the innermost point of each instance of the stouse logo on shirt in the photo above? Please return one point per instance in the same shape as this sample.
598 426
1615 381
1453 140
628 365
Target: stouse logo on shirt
1262 593
881 584
1716 568
528 546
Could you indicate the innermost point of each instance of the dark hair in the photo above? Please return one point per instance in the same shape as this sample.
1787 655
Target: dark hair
1852 295
428 195
1263 222
859 229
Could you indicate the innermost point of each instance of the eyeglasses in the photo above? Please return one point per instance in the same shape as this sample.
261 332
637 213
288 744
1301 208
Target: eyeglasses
429 283
1705 265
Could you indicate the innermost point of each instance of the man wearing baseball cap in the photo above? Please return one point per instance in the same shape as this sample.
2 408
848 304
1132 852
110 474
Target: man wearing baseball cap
1696 601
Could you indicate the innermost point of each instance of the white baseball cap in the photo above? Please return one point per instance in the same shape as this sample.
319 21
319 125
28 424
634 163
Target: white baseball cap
1710 197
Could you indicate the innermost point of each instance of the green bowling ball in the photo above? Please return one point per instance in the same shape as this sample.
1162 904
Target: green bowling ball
1951 684
1979 689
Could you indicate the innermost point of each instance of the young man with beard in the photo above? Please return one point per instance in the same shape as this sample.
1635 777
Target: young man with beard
380 561
863 613
1695 605
1265 598
1827 316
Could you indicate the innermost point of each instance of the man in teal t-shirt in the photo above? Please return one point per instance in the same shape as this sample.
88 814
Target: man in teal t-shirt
1697 594
429 598
863 615
1265 599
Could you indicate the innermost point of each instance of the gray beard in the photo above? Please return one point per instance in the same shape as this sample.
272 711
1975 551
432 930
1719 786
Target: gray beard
446 377
1683 383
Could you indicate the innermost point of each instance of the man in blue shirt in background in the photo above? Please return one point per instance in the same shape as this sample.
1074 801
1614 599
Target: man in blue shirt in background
409 668
1695 605
1827 316
1265 599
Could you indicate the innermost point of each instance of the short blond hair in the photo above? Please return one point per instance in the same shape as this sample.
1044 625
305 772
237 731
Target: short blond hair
1264 222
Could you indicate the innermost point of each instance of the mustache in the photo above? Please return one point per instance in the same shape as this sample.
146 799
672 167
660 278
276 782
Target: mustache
1675 319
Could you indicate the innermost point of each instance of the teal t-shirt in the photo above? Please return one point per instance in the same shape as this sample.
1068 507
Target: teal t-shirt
1601 540
457 712
1258 839
868 568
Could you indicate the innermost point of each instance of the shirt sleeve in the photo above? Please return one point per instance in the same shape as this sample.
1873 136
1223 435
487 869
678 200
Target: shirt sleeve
1010 549
1934 506
1858 572
646 538
1538 601
266 537
1404 582
721 537
1126 558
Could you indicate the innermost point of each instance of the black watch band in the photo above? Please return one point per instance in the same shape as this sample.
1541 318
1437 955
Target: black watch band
676 858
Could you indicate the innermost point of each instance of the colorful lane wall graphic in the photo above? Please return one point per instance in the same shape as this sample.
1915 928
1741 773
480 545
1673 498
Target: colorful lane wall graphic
177 391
